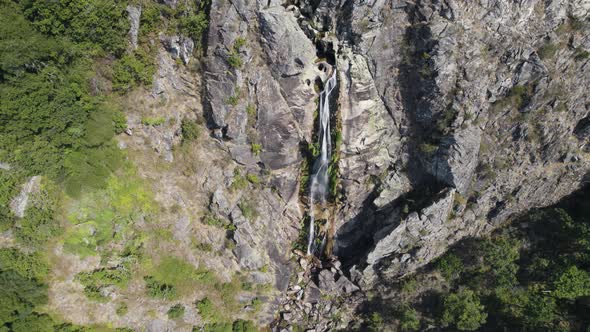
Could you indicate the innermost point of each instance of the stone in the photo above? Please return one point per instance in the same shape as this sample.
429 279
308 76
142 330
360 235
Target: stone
19 204
134 13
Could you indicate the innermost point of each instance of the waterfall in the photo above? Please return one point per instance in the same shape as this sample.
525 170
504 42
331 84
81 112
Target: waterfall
319 177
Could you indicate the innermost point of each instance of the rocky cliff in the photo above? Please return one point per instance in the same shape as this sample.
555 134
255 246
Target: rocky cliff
453 117
449 118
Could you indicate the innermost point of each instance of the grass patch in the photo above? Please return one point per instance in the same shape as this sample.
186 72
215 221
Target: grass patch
547 51
248 210
103 216
172 276
153 121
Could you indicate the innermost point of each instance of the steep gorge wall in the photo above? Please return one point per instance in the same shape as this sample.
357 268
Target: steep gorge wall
455 117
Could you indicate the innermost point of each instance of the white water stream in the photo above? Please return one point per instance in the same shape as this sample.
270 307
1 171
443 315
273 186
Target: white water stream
320 178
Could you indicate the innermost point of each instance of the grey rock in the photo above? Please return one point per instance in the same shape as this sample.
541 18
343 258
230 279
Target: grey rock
19 204
134 15
178 47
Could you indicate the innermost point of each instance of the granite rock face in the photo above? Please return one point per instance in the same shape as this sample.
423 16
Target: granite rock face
451 117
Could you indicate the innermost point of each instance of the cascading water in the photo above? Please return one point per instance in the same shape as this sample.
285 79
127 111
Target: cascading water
319 177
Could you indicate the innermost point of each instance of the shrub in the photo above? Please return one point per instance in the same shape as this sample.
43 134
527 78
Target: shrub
572 283
463 310
100 22
94 282
132 70
176 311
190 130
193 25
158 289
256 148
122 309
409 320
31 266
119 122
207 310
450 266
375 322
38 224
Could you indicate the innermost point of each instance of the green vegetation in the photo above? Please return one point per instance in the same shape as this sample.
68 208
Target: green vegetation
252 178
96 281
547 51
234 59
464 310
39 225
122 309
97 24
248 210
103 216
409 320
153 121
450 266
375 322
190 130
239 182
237 326
207 309
176 311
256 148
157 289
133 70
172 277
428 148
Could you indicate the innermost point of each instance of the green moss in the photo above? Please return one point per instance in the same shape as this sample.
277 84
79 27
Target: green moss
252 178
428 148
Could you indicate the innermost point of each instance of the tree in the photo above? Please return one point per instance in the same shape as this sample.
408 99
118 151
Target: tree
463 310
450 266
500 255
572 283
19 296
409 320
